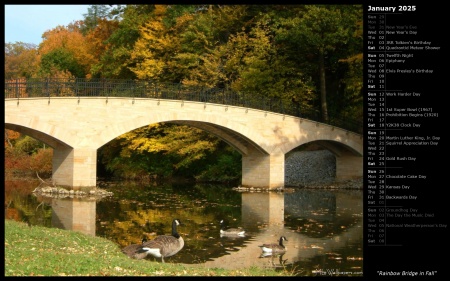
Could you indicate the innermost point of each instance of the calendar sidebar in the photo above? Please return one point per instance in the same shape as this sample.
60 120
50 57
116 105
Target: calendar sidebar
406 221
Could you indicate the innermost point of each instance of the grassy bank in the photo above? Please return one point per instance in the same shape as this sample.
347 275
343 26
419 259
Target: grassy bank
42 251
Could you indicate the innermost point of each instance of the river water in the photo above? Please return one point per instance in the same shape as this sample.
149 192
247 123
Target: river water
324 227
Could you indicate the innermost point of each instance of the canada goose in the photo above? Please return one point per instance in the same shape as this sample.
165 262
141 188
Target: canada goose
135 250
274 248
165 245
230 231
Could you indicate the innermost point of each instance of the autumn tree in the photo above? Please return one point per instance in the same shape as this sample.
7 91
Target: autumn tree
318 33
157 52
98 38
21 60
203 50
65 49
257 67
10 138
25 155
115 61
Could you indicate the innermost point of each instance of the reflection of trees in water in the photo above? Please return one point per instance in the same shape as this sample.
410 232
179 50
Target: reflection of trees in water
144 211
21 205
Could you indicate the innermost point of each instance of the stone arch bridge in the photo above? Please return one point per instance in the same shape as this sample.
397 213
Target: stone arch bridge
75 127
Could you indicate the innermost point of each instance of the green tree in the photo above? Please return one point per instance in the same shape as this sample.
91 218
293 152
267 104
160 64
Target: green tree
319 32
256 66
115 61
65 49
92 17
62 60
28 145
204 44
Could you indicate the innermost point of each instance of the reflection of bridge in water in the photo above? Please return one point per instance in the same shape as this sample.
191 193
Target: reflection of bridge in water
268 209
78 117
74 214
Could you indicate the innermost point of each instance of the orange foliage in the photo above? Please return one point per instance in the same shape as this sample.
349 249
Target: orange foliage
15 161
13 190
22 64
99 35
41 162
10 136
71 40
24 164
12 214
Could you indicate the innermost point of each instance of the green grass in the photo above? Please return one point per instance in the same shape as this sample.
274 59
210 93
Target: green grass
42 251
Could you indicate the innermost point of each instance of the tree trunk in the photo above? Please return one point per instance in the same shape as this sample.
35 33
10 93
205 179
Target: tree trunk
323 91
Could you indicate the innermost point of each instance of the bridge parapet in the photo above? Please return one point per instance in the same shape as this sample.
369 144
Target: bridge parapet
82 87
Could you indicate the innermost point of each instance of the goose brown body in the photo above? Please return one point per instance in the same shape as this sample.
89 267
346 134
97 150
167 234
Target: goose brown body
135 250
274 248
164 245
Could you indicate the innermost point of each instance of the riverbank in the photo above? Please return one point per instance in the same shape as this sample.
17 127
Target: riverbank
43 251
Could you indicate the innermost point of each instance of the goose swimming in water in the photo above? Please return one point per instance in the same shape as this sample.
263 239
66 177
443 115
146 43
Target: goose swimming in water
230 231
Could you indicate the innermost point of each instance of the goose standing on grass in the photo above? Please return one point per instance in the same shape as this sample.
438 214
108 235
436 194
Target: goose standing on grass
135 250
165 245
230 231
274 248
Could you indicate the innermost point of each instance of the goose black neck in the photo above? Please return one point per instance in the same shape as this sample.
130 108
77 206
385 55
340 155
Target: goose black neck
174 230
222 225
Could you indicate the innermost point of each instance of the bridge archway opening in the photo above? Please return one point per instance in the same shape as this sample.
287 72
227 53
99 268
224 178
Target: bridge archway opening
38 135
348 162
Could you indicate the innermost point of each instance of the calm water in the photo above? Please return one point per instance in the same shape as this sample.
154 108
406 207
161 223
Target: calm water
324 228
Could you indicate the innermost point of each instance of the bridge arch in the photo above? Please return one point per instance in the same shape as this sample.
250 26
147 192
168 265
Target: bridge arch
76 127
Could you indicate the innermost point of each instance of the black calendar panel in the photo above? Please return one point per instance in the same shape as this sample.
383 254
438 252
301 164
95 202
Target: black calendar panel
406 216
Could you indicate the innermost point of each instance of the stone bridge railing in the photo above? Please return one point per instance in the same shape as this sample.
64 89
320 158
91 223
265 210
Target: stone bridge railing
80 87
